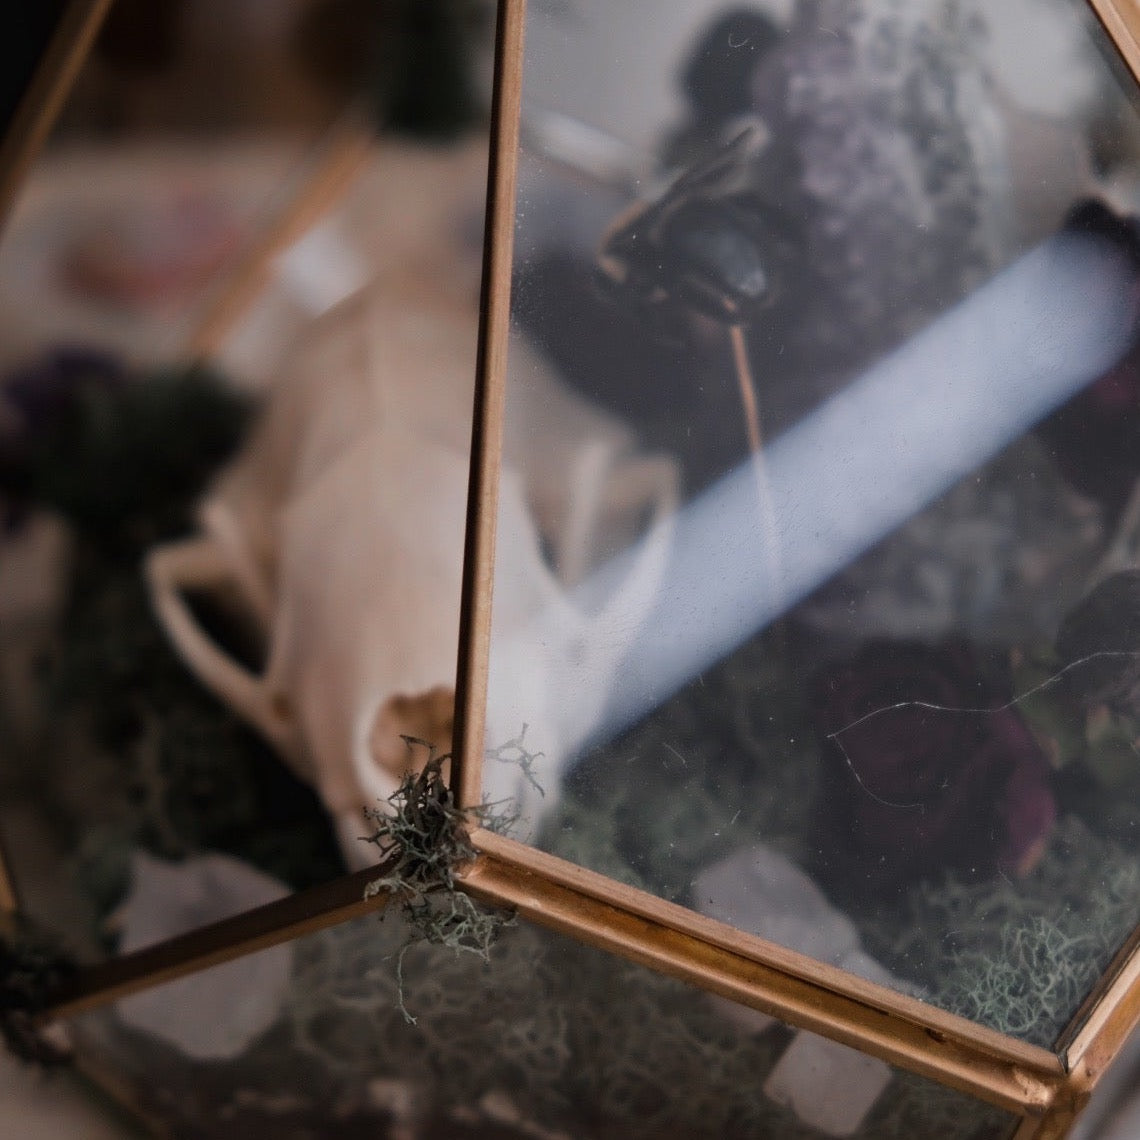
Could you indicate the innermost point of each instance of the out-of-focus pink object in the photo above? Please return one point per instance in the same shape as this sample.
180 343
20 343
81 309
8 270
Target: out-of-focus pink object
151 255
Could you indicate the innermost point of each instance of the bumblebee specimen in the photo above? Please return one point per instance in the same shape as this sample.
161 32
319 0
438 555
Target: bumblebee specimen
711 242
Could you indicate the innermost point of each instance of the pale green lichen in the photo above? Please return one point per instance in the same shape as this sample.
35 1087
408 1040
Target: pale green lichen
423 841
513 752
1035 981
1017 956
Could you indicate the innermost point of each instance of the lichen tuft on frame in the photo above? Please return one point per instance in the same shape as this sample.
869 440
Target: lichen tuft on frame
424 841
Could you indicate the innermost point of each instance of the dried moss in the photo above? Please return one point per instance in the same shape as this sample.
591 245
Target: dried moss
579 1041
1019 957
423 841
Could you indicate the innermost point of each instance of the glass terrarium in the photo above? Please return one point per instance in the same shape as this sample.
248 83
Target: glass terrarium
681 682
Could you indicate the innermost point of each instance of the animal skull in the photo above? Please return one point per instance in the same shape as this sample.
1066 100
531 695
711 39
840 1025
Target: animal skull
339 532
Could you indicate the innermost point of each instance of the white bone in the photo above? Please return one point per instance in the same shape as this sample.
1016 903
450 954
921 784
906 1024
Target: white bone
340 528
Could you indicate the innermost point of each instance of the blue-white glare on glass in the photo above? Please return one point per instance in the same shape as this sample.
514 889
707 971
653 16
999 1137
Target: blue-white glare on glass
844 477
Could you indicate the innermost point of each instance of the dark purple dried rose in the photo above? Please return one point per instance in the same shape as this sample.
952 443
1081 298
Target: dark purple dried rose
923 771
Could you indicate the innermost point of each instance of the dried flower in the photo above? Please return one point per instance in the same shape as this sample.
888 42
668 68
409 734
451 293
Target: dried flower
927 768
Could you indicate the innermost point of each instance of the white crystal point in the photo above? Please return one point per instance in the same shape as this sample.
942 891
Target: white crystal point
757 889
829 1086
215 1014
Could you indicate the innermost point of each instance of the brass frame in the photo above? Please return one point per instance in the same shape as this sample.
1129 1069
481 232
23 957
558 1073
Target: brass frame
338 161
42 102
1046 1088
1121 20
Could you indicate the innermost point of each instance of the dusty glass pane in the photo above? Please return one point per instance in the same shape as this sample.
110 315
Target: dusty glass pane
546 1038
219 189
815 574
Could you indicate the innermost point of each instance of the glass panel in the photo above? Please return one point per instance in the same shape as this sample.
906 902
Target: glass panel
548 1038
815 586
217 186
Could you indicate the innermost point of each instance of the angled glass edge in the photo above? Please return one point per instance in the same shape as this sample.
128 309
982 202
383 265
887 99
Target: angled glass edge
972 1059
612 1050
303 912
1111 1013
1108 1018
1108 1015
45 95
490 397
672 939
1121 21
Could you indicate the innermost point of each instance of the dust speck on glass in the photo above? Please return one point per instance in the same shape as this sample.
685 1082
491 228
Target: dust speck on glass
832 632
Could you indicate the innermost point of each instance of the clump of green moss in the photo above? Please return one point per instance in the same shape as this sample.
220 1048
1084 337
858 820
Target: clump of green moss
423 841
1017 956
